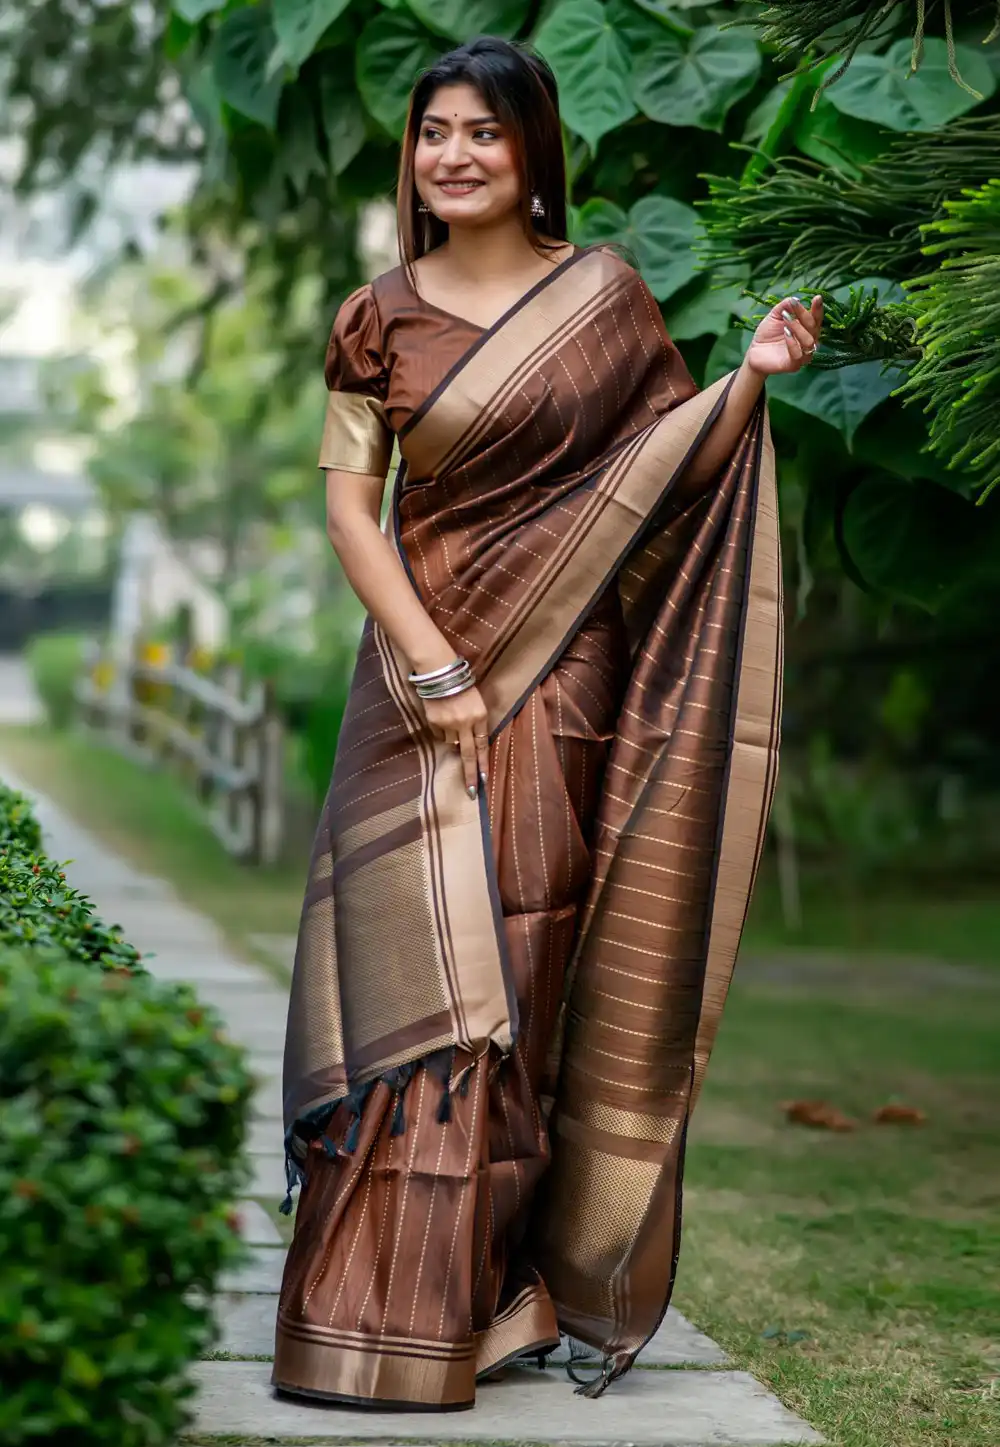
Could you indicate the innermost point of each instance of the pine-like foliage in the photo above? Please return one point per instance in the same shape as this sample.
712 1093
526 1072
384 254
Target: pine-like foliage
818 29
795 219
798 224
958 328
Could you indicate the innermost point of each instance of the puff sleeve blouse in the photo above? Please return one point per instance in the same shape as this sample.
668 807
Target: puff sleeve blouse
356 435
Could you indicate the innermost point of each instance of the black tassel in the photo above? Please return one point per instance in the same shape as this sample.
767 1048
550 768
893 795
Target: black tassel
463 1084
398 1118
444 1109
329 1147
353 1136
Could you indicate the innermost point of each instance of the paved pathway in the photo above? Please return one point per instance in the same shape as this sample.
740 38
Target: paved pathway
697 1403
19 703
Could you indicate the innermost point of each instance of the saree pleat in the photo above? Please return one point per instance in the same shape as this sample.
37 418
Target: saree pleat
502 1008
411 1269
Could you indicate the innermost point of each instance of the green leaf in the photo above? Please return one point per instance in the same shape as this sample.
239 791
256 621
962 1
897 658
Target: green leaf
881 88
591 65
392 51
726 354
194 10
462 19
343 120
705 313
765 113
659 231
298 154
914 542
685 79
241 52
843 396
299 24
837 140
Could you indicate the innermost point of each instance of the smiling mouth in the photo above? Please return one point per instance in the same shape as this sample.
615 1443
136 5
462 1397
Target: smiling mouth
458 188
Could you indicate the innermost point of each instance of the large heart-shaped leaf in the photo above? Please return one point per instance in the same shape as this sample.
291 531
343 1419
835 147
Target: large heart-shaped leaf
392 51
343 118
913 541
706 312
195 10
843 396
299 24
881 88
462 19
836 139
591 66
659 231
685 79
241 54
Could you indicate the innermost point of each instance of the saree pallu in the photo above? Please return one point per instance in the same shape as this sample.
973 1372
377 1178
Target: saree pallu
502 1008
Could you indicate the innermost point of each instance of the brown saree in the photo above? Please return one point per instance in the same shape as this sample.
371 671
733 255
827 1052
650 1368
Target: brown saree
502 1008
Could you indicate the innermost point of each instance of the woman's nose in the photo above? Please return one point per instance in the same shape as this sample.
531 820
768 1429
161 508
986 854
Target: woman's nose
455 150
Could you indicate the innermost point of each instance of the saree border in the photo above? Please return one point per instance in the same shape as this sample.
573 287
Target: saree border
630 547
487 335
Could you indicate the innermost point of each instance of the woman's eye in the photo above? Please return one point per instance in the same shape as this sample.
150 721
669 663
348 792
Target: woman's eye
487 135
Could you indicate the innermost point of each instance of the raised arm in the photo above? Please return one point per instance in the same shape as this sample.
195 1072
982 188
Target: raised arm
784 342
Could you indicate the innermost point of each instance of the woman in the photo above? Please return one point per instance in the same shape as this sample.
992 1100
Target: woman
551 784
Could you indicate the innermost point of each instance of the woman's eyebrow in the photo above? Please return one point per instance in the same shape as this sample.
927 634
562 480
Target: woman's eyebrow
476 121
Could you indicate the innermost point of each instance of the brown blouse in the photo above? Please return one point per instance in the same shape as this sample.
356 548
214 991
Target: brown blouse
388 350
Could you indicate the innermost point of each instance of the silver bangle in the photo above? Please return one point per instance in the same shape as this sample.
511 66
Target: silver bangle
462 687
456 667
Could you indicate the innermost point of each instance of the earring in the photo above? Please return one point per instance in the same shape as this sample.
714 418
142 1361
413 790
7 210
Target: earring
537 209
423 208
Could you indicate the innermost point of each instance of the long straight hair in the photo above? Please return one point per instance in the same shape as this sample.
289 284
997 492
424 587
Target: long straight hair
517 87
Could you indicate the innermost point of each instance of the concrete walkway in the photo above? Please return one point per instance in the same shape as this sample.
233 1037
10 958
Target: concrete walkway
682 1395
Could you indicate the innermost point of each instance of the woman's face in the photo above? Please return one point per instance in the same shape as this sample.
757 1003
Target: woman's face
463 164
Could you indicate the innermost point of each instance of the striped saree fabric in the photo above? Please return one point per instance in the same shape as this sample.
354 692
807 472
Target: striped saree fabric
502 1008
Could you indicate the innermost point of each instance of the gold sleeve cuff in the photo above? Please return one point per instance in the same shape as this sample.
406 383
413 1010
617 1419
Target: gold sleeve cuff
356 435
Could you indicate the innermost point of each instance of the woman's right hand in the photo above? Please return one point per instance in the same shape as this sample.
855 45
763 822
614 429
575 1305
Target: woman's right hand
461 719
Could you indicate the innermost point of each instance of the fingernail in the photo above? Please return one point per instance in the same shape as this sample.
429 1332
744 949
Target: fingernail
798 299
787 316
788 331
472 791
482 780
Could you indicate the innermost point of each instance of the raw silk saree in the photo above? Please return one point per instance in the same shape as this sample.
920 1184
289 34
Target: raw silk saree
543 485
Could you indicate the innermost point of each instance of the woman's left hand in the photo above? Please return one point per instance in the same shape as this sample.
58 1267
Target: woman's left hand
787 337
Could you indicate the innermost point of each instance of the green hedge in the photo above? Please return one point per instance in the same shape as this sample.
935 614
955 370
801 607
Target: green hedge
123 1111
37 905
54 661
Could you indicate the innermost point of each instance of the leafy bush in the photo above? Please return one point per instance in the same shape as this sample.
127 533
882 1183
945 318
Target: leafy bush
37 905
54 660
18 826
122 1120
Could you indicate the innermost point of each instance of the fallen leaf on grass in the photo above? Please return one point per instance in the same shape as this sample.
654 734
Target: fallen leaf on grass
819 1114
898 1115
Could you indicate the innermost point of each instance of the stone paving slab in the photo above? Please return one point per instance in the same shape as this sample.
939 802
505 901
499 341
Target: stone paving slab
247 1324
646 1409
256 1226
262 1272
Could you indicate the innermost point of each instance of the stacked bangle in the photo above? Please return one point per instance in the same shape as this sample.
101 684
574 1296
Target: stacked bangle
444 682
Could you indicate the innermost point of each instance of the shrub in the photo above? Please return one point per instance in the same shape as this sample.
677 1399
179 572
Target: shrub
18 826
38 907
55 660
122 1120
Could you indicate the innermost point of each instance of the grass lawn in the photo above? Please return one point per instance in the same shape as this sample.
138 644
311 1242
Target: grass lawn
154 822
881 1246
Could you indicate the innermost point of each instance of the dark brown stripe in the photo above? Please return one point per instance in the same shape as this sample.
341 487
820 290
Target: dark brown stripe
395 839
413 1036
